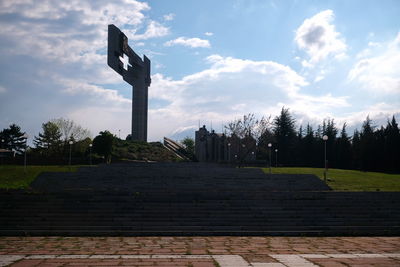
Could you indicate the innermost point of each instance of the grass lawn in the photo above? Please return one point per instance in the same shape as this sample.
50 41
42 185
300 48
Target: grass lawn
13 177
349 180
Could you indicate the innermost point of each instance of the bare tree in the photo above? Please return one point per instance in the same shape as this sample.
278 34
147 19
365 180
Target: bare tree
70 130
249 126
247 129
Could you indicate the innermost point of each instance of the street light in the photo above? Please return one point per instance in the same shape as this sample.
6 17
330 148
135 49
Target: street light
270 147
244 152
229 152
325 138
90 154
276 157
26 136
70 150
2 146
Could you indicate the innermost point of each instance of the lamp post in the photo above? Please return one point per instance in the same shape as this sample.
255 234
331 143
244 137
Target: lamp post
90 154
325 138
70 150
26 136
2 146
270 147
229 152
276 158
242 154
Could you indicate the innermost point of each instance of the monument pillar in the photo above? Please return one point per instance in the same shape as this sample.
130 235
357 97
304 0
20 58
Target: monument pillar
136 72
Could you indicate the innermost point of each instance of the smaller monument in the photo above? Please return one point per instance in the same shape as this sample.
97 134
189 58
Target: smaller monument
134 71
217 147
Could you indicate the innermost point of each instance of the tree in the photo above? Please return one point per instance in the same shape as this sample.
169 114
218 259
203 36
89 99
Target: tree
300 147
189 144
392 145
308 152
329 129
356 148
13 138
49 141
103 145
70 130
367 145
343 152
285 136
247 126
249 129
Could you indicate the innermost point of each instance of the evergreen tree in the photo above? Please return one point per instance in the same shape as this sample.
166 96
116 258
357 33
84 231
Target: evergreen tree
343 154
379 150
356 147
329 129
300 151
285 136
392 145
309 147
13 138
49 141
367 142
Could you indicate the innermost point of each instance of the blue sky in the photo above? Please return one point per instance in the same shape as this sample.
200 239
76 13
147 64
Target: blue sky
212 61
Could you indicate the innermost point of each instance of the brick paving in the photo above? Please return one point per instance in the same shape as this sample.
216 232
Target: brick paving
199 251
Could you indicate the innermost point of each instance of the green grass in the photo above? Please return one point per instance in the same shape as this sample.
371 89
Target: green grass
349 180
14 177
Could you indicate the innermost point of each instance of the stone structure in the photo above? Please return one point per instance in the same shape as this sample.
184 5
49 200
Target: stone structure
216 147
134 71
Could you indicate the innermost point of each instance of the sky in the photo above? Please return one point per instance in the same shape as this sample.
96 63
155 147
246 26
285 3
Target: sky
212 62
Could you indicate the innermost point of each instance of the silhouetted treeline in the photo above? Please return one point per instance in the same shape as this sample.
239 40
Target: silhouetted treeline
369 148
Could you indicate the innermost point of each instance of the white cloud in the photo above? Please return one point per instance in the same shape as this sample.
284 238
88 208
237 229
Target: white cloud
319 38
379 113
62 45
154 30
190 42
73 31
2 89
169 17
100 118
380 73
75 87
318 78
229 88
209 33
91 12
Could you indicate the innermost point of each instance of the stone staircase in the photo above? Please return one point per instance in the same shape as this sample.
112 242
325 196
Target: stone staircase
192 199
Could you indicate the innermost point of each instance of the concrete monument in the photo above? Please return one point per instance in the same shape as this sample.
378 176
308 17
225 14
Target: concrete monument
134 71
217 147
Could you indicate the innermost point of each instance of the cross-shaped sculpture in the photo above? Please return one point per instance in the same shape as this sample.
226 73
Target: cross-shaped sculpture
134 71
125 61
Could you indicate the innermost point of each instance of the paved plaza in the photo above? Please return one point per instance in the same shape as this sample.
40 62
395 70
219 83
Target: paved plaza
199 251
